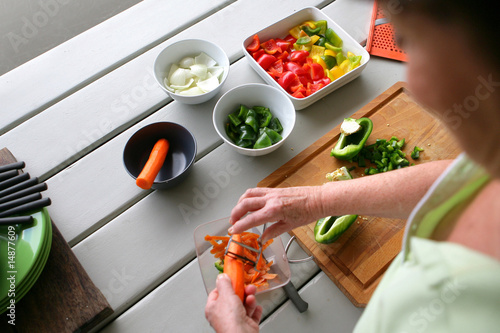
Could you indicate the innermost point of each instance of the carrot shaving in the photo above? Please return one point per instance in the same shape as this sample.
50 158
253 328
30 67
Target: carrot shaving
257 276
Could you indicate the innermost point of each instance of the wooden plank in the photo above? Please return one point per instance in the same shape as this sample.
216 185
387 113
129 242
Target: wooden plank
358 259
94 53
63 299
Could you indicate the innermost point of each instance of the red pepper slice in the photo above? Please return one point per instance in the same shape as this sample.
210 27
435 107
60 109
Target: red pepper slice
270 46
285 56
294 67
324 81
298 94
291 39
254 45
286 79
299 56
257 54
283 44
317 71
266 60
276 69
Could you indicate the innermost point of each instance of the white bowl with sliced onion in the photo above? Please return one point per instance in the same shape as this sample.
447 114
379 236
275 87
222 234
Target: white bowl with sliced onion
191 71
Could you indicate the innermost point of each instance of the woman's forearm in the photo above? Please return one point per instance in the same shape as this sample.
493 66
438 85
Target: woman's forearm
392 194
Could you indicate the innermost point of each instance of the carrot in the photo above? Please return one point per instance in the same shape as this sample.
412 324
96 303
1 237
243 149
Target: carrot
234 267
153 165
257 275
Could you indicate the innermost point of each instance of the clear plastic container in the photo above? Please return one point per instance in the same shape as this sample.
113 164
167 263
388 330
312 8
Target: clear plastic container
206 260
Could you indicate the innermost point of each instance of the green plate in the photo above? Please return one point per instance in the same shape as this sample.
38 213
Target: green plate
32 245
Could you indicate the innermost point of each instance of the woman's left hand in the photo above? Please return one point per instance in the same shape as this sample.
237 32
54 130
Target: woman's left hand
225 311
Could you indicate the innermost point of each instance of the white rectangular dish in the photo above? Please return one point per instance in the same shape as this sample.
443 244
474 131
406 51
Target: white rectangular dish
280 30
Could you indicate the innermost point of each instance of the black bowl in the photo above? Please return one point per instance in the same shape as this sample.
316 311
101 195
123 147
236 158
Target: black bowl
179 160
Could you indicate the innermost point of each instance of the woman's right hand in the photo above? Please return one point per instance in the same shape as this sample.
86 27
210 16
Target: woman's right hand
290 207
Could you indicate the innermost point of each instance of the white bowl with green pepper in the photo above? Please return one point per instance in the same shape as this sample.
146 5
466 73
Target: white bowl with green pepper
254 119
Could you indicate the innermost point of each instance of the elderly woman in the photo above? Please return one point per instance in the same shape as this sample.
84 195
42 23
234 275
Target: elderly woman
447 276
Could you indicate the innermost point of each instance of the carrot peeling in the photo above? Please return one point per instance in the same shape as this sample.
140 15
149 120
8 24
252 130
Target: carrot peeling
153 165
242 273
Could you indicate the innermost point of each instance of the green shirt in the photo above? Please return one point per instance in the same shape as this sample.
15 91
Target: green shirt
438 286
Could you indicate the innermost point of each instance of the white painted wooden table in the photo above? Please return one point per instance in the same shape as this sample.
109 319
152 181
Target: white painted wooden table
69 112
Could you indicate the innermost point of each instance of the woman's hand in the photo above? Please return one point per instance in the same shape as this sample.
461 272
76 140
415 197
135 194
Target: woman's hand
225 311
290 207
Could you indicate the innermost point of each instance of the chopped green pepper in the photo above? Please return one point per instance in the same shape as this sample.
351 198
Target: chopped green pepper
246 132
276 125
303 40
234 119
329 61
219 264
333 48
309 31
251 120
333 38
265 115
348 146
415 154
263 141
272 134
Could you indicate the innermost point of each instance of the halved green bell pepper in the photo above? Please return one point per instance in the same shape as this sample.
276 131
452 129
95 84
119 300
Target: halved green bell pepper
348 146
329 229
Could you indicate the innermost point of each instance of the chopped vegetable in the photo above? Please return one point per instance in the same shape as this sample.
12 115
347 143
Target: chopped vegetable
306 60
258 274
233 266
254 127
415 154
194 75
387 155
153 164
348 146
328 229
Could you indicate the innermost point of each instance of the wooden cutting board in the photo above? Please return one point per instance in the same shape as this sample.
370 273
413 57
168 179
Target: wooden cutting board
358 259
64 298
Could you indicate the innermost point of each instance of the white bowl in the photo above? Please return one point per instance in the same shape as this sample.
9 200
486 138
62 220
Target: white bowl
173 54
254 94
280 30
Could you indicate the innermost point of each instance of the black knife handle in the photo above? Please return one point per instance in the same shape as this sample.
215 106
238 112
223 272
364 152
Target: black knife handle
20 201
19 194
12 166
8 174
16 220
27 207
19 187
14 180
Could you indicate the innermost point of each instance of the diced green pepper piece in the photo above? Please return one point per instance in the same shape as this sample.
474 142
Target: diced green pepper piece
234 119
263 141
329 61
333 38
243 112
321 42
273 135
251 120
309 31
219 265
231 133
340 57
303 40
276 125
333 48
322 25
264 116
244 143
247 132
415 154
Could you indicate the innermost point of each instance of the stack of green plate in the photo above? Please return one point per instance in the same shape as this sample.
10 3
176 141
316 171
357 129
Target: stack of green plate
24 258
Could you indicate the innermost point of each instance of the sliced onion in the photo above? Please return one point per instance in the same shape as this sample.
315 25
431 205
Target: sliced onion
199 70
208 84
204 59
193 91
186 62
184 86
216 71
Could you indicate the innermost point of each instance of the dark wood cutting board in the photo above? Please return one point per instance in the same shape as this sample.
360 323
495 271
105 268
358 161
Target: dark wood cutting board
64 298
358 259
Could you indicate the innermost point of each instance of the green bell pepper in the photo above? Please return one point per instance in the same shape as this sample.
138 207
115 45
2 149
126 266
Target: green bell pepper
219 264
276 125
333 38
348 146
322 25
265 115
247 132
272 134
309 31
251 120
263 141
329 229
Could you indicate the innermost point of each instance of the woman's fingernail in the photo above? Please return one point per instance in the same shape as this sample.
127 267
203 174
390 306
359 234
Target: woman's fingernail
221 276
230 230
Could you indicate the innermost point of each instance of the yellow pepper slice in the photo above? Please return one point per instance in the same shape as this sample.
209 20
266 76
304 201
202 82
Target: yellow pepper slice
295 32
320 61
317 50
344 66
335 73
311 24
330 53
